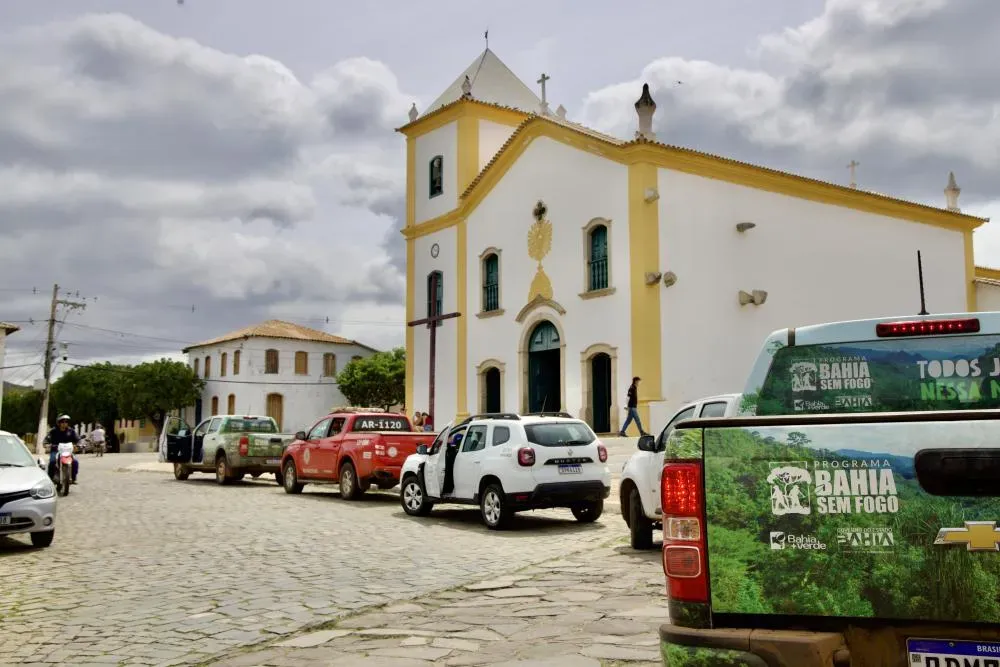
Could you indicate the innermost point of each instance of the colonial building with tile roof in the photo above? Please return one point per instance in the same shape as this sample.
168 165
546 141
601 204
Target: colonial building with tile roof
575 260
275 368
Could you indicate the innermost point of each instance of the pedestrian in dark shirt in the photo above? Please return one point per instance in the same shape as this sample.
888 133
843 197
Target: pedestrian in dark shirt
633 408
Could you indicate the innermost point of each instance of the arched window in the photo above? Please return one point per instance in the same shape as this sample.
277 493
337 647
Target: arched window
223 362
302 363
435 294
236 362
197 372
231 404
208 367
215 405
329 365
271 362
597 261
436 175
491 282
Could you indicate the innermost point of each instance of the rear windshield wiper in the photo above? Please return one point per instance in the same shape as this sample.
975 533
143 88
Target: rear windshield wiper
13 465
570 443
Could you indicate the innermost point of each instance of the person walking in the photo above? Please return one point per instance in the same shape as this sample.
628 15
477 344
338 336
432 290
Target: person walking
633 409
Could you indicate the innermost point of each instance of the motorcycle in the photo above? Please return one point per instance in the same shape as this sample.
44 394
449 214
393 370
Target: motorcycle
64 469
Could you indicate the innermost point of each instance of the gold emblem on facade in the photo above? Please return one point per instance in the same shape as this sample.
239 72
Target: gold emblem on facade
539 246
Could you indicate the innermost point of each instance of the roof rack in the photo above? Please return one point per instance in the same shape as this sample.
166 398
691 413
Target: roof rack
491 415
562 415
346 408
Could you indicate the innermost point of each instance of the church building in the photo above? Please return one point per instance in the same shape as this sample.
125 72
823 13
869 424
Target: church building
565 261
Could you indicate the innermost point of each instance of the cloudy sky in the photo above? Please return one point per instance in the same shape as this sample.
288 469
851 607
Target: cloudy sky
192 169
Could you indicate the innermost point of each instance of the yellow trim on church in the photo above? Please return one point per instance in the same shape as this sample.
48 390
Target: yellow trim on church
986 273
468 168
970 273
411 286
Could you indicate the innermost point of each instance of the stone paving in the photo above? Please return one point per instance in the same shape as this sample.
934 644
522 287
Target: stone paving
148 570
598 607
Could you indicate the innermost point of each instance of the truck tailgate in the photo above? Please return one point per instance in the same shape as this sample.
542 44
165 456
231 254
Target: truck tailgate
268 446
890 516
392 447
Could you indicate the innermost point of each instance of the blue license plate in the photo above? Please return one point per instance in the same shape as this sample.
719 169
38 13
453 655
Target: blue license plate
951 653
572 469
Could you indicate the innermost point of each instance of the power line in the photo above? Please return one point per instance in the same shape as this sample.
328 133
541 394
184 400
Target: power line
4 368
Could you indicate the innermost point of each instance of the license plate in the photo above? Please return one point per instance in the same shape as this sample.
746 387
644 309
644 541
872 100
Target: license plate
273 462
573 469
945 653
5 519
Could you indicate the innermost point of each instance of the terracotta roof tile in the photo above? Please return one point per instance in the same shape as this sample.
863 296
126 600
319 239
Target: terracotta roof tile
278 329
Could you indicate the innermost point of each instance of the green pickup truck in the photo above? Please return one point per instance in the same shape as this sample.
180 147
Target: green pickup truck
847 515
231 446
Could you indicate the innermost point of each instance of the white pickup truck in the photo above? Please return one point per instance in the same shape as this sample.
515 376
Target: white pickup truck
640 486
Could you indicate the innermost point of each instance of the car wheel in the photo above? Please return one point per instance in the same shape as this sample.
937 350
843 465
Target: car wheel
413 497
181 471
350 489
493 506
289 480
279 478
42 540
222 474
588 512
640 527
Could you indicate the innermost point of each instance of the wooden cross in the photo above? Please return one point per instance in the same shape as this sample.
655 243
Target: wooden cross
545 77
432 323
853 167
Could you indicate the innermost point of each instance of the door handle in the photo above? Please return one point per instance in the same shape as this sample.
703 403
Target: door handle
958 472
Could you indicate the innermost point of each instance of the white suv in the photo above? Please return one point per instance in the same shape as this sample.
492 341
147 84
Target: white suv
640 487
507 463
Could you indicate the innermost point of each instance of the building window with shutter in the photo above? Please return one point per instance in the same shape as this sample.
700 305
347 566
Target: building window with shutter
436 175
231 404
208 367
435 295
197 371
223 362
598 260
215 405
236 362
271 362
329 365
491 282
302 363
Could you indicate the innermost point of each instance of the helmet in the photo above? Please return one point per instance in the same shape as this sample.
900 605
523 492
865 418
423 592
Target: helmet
63 418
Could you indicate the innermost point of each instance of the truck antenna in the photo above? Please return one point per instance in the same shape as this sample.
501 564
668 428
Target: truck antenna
920 277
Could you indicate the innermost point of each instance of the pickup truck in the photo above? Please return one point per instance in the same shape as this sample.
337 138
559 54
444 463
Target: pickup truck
639 491
847 516
230 445
352 447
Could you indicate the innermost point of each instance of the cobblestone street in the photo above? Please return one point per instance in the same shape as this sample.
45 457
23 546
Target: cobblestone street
148 570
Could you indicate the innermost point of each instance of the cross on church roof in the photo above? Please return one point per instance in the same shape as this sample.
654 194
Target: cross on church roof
853 167
545 103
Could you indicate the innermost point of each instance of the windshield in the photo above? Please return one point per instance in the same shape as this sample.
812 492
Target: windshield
885 375
559 434
250 425
13 453
380 423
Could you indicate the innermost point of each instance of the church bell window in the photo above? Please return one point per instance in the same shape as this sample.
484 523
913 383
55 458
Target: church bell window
435 295
491 283
437 176
598 260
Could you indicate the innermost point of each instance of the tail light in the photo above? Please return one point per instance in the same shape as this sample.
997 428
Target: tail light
526 456
244 445
926 327
602 453
682 498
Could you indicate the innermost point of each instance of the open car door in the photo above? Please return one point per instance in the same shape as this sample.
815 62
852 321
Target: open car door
176 441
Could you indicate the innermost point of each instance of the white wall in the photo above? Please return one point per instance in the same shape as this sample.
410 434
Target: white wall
576 187
444 392
987 297
442 141
491 137
306 397
3 346
818 263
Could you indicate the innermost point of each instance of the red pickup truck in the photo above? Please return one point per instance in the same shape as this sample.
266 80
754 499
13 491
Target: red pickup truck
355 447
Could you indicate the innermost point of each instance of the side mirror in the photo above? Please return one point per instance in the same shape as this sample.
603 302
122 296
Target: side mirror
647 443
422 449
300 435
40 464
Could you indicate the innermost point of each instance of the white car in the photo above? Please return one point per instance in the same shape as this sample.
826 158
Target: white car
507 463
27 495
640 486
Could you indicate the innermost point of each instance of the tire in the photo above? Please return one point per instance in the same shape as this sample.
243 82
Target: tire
350 487
290 480
42 540
493 507
222 473
279 478
65 478
413 497
640 528
181 472
588 512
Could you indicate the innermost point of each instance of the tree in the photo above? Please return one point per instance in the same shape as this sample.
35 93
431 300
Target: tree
153 389
89 394
20 411
376 382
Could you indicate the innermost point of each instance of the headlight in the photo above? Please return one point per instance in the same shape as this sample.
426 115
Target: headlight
43 490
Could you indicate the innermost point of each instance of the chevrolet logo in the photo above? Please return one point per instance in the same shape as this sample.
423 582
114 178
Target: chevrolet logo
976 536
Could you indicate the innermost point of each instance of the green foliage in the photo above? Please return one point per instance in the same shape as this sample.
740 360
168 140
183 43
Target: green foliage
20 411
88 394
151 390
376 382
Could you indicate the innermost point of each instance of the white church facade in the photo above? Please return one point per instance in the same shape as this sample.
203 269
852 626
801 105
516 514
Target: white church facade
577 260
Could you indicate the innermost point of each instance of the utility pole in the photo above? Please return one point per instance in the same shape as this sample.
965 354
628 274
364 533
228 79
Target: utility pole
43 418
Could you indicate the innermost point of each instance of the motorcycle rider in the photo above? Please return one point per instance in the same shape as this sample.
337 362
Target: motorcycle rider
58 435
97 437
